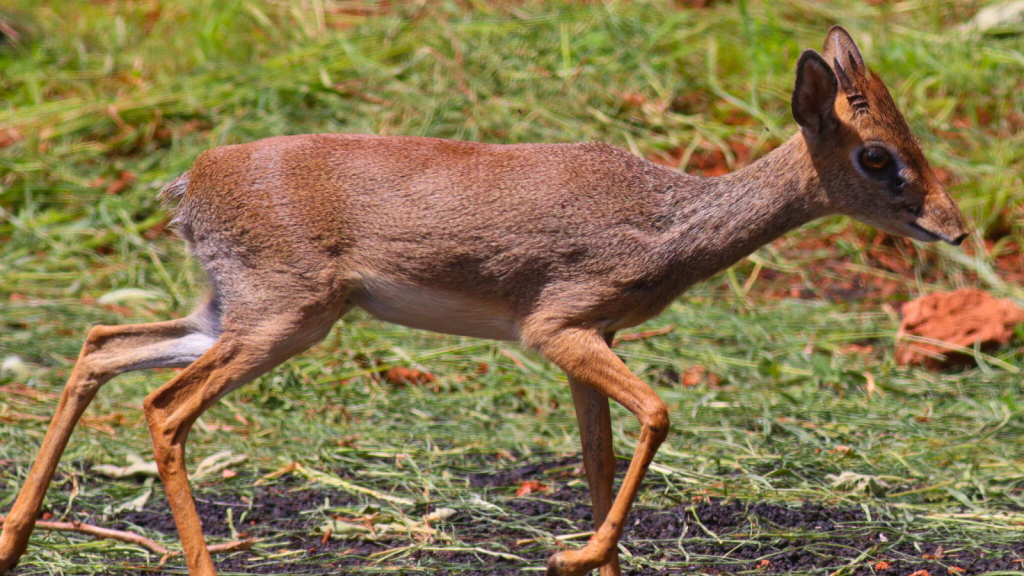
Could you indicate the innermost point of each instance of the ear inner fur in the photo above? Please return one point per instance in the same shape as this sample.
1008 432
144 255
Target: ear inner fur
814 94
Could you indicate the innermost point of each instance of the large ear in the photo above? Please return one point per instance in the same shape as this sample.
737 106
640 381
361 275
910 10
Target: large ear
814 96
840 50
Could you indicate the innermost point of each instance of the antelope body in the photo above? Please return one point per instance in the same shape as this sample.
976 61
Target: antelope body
556 246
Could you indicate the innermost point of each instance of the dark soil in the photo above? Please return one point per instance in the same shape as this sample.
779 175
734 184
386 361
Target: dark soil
709 536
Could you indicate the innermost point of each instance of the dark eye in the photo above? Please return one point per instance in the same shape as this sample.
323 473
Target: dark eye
875 159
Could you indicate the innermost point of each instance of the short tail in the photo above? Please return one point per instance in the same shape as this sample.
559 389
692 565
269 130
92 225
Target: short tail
171 194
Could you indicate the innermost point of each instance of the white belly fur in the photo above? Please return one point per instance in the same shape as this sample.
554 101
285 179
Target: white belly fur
435 310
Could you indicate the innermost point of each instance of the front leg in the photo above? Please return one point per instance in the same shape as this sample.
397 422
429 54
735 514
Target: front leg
594 418
586 357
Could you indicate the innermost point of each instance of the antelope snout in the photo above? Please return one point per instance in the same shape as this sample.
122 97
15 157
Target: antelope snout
942 219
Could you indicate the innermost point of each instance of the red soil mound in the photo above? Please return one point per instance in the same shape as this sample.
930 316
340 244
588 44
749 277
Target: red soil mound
962 319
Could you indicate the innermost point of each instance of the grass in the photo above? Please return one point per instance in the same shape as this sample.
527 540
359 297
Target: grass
103 103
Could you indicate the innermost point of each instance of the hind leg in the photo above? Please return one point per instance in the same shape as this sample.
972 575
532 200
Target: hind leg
108 351
239 356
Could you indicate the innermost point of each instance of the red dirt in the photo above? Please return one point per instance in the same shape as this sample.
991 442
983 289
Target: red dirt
866 267
962 318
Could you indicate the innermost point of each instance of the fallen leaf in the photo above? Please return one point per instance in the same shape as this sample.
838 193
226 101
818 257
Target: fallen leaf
122 182
8 137
700 374
869 380
401 375
228 473
921 573
857 483
529 487
136 467
693 375
881 565
955 570
857 349
217 463
439 514
633 99
348 441
154 231
277 473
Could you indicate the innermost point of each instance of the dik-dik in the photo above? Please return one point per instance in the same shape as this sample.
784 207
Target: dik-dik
554 246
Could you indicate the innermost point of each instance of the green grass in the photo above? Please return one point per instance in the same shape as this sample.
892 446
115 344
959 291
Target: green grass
94 90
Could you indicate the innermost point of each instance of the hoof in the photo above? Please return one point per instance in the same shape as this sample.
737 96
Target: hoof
6 565
568 563
556 565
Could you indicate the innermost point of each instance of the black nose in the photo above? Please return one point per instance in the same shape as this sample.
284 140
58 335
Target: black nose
959 239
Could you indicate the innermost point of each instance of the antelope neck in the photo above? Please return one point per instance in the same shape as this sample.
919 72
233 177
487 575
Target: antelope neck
720 220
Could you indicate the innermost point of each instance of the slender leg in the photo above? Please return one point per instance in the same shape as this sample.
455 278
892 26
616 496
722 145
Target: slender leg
594 418
585 356
598 456
170 411
108 351
237 358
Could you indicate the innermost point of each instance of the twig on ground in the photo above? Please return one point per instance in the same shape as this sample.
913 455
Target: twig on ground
643 335
102 533
137 539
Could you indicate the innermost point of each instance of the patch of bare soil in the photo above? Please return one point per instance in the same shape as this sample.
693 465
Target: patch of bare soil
769 538
963 319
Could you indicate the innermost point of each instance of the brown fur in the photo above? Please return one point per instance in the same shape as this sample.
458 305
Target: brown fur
554 245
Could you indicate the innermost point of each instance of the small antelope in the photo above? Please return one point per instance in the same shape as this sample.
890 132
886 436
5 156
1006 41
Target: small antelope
556 246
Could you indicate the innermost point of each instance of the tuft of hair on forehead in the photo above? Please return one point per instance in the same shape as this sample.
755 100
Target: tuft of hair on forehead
843 56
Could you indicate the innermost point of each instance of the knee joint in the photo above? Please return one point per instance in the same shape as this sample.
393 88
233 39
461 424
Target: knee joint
96 337
657 421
